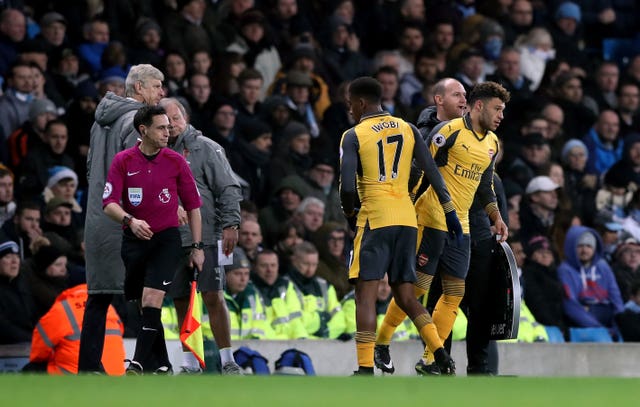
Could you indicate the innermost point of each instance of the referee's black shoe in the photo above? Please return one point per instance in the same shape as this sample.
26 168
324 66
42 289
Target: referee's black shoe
382 359
134 368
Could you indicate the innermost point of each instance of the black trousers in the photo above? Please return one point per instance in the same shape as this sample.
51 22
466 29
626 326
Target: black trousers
482 354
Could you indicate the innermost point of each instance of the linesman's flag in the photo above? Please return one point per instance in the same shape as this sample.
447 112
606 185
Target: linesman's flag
191 330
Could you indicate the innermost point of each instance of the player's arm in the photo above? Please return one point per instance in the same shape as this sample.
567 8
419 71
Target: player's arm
487 198
348 167
426 163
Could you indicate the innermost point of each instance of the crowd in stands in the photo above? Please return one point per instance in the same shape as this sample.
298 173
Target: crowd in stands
267 80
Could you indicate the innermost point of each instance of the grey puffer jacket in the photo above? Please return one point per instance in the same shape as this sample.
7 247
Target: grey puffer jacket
111 133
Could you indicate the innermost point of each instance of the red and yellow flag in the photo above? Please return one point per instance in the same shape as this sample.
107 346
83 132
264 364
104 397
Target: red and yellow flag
191 330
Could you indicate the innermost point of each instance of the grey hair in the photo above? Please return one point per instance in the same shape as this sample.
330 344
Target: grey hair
164 102
140 73
308 201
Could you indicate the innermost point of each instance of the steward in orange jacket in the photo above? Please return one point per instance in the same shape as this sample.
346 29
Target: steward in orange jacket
56 337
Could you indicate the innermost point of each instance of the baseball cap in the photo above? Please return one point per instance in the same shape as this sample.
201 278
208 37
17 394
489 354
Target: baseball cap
540 183
52 17
240 261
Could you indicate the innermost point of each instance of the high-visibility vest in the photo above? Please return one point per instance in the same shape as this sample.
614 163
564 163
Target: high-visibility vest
56 337
322 315
247 315
284 311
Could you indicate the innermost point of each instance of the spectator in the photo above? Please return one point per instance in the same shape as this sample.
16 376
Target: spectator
246 309
192 27
603 142
581 185
470 68
31 135
286 198
79 117
7 204
543 291
222 126
47 274
17 98
310 214
330 240
629 320
628 97
13 28
535 155
537 213
250 158
255 43
299 102
96 39
66 74
17 310
616 192
337 118
321 312
276 113
579 113
442 40
37 163
592 297
342 56
250 239
536 48
198 95
606 84
59 226
247 100
53 29
626 267
283 307
290 234
175 67
519 22
321 180
425 74
292 154
55 344
390 81
23 228
566 31
146 47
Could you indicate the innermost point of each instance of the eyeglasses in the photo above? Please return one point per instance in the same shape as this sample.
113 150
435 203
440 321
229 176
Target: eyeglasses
336 239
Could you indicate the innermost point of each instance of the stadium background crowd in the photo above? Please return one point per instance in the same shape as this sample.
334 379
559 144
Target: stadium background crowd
267 80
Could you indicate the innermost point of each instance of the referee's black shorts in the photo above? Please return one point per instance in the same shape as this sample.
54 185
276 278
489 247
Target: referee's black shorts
150 263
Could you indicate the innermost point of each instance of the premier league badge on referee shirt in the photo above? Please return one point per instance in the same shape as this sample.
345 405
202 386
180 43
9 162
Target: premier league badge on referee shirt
135 196
164 196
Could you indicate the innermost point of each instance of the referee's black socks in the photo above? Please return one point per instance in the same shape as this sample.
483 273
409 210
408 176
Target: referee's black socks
151 325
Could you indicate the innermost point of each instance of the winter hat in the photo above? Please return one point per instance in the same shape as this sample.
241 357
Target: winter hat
86 89
52 17
534 139
570 145
56 202
40 106
145 24
46 256
240 261
58 173
8 247
295 129
253 129
537 243
299 78
568 9
587 239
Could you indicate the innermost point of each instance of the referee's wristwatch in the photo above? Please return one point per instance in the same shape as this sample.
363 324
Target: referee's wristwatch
126 220
197 245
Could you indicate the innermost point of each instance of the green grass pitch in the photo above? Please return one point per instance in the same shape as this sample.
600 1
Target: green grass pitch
259 391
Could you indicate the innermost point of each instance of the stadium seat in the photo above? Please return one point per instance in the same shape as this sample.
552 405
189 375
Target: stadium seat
597 334
554 333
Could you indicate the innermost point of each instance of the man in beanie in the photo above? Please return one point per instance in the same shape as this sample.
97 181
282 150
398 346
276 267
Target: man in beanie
17 310
30 135
292 154
220 193
566 31
581 185
250 158
47 274
592 297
